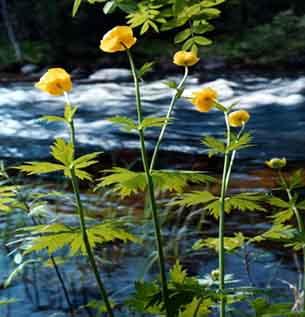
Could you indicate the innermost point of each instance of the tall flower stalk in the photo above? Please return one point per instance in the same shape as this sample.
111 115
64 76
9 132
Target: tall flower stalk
150 185
173 102
204 100
81 213
221 255
121 38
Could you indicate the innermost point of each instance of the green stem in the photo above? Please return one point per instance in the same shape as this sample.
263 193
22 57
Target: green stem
233 158
54 264
175 97
81 213
151 191
300 222
221 260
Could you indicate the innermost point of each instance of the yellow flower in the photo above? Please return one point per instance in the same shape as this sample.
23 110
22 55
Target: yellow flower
118 39
184 58
204 99
238 118
277 163
56 81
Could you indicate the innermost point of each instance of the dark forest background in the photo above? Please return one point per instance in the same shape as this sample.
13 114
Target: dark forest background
250 32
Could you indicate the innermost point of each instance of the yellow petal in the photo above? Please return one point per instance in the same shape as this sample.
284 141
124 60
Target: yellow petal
118 39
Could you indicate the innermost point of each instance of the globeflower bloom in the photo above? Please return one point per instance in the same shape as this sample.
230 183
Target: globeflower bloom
120 38
238 118
184 58
204 99
276 163
56 81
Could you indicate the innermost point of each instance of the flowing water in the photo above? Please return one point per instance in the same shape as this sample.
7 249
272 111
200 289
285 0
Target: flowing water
276 104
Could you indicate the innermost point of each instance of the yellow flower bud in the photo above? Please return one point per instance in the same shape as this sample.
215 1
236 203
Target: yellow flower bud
120 38
215 275
277 163
238 118
204 99
56 81
184 58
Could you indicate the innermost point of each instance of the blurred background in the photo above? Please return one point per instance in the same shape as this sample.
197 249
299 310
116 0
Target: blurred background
256 33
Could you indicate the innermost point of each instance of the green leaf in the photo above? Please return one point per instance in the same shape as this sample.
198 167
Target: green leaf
150 122
33 168
109 7
230 243
215 146
146 68
126 124
7 198
198 307
141 299
183 35
210 13
128 182
278 202
69 113
171 84
201 40
56 236
241 143
76 6
283 216
7 301
53 119
211 3
245 202
177 274
86 160
195 198
62 152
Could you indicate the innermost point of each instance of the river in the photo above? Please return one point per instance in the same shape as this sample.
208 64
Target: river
276 103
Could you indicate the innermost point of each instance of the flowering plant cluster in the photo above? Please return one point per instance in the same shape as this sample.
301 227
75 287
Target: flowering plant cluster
174 293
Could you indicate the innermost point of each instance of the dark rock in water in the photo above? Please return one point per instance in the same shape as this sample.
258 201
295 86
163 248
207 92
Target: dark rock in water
296 61
80 72
213 63
28 69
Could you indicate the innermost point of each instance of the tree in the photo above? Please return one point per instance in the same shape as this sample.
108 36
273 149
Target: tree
10 30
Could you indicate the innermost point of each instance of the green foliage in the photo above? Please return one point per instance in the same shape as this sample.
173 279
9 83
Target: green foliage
263 308
243 202
145 68
150 122
67 118
271 43
129 125
56 236
6 301
231 243
128 182
215 146
186 295
7 198
126 124
195 198
164 15
219 147
296 180
99 306
198 307
63 152
239 143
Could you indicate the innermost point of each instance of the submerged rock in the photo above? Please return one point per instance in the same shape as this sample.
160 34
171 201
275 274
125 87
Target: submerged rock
28 69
